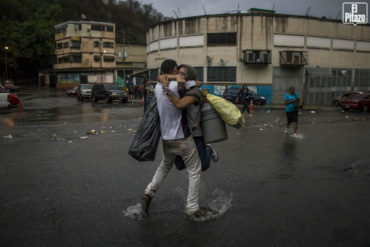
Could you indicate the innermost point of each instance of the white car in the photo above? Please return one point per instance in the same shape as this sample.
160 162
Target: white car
4 103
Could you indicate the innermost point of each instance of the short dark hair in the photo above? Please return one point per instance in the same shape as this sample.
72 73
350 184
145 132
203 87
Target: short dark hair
167 66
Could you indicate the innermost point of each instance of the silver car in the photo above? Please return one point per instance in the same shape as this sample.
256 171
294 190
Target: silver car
84 91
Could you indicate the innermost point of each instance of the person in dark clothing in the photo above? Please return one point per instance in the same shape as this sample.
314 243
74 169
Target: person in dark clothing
246 99
148 92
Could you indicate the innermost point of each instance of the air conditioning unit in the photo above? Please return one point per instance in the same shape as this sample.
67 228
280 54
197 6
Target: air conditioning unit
250 57
297 58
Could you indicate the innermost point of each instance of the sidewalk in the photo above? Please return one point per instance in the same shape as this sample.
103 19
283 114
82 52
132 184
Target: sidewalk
305 107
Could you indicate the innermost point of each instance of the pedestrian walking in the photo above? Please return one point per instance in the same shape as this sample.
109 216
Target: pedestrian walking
244 93
292 102
148 92
176 140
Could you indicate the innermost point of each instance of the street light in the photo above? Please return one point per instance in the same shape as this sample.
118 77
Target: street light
6 65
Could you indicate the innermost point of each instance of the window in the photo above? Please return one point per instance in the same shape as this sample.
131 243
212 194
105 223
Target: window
221 39
96 58
65 45
96 43
221 74
96 27
60 60
61 29
167 29
108 58
108 45
199 71
110 28
190 26
76 45
153 74
59 45
75 57
180 27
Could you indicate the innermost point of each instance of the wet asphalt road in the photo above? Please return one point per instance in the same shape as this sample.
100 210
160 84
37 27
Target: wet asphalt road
57 189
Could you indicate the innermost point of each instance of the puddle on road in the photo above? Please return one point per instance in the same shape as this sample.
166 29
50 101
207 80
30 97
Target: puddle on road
134 212
359 168
217 207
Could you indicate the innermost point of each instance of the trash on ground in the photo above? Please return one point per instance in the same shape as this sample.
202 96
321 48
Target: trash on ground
312 112
84 137
347 116
70 141
8 136
355 119
261 129
92 132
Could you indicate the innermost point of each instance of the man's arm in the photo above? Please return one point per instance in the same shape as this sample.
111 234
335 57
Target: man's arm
180 103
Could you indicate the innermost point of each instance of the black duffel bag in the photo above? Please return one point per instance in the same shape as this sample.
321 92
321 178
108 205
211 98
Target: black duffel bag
145 143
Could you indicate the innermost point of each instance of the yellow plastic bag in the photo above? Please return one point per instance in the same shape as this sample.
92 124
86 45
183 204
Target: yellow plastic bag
227 110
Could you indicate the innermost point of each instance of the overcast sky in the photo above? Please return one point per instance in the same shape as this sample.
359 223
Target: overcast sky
184 8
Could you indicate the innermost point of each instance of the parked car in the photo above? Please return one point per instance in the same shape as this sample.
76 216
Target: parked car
338 99
72 92
232 92
4 102
84 91
356 102
10 86
108 92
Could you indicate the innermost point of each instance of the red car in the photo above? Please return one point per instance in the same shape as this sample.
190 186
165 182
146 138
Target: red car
12 97
357 102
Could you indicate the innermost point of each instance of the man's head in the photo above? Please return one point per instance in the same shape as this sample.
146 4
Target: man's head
291 90
169 66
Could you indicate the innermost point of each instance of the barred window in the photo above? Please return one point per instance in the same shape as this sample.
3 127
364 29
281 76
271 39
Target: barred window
59 45
190 26
199 71
96 43
153 74
214 39
65 45
96 58
222 73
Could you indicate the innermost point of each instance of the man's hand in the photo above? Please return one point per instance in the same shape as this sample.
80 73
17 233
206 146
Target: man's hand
163 79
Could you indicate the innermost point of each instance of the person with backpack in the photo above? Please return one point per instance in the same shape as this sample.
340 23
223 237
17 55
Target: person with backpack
292 102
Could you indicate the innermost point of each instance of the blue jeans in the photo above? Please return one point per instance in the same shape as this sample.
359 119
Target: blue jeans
204 155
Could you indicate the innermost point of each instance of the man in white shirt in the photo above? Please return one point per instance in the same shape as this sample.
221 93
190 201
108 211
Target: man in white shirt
177 140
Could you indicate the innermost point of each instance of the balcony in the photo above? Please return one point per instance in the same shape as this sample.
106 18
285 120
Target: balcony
257 56
293 58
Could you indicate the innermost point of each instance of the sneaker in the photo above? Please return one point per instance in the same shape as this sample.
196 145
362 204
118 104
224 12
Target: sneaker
214 155
145 203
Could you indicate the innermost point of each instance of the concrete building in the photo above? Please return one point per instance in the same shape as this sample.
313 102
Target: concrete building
85 53
129 59
322 58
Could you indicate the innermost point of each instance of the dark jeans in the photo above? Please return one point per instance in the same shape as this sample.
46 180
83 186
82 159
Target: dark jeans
146 103
204 155
246 105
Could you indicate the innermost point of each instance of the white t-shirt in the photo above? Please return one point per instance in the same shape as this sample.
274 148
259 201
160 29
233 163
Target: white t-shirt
169 115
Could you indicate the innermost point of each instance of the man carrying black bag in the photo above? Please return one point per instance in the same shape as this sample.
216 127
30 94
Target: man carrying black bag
177 140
